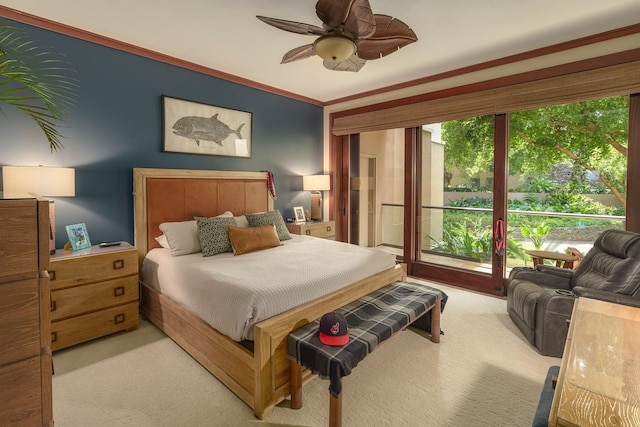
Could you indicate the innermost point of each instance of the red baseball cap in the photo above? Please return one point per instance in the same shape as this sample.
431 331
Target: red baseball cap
333 329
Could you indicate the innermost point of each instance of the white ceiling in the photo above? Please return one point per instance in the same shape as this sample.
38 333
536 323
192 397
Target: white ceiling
226 36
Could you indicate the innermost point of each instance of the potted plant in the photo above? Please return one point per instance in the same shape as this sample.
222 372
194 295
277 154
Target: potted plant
35 82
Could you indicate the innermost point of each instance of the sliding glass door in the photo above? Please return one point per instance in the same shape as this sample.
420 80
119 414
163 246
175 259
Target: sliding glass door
457 194
460 221
464 201
568 176
405 183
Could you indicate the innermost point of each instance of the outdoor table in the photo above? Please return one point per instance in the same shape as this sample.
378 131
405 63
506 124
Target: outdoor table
561 259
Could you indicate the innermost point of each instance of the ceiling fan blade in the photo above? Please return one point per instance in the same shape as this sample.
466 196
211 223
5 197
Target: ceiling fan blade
353 64
301 52
292 26
354 16
391 34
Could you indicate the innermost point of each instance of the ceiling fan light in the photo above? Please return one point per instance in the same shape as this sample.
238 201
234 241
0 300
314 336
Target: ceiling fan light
335 48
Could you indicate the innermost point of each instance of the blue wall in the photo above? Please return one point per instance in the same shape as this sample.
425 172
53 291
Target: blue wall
117 126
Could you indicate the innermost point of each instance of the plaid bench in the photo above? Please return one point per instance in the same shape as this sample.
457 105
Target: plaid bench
372 320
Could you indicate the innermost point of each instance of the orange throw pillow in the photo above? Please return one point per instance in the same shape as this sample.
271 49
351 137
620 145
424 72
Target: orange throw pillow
250 239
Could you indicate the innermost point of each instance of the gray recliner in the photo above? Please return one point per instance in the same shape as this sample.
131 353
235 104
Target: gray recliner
540 299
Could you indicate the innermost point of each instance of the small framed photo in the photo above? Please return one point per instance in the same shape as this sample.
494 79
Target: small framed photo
298 212
78 236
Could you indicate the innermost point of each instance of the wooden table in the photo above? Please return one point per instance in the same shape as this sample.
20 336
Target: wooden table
599 380
562 260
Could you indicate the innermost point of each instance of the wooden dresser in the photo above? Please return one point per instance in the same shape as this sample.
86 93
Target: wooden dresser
25 358
323 229
94 292
599 379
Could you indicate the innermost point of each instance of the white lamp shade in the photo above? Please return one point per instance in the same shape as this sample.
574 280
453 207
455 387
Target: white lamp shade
40 180
316 182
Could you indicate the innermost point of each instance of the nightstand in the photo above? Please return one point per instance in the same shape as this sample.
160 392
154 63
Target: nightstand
94 292
323 229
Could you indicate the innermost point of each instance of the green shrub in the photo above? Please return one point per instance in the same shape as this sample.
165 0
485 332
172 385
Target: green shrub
538 234
537 185
471 240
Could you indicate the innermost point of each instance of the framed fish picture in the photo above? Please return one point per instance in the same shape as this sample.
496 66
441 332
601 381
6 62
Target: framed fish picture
192 127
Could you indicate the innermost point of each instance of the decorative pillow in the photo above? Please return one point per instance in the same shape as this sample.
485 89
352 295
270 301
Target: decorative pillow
245 240
162 240
271 217
183 236
213 235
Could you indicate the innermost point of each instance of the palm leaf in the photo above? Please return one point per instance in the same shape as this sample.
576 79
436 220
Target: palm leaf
36 82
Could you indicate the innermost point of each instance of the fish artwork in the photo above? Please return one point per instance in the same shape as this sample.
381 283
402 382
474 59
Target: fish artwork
204 128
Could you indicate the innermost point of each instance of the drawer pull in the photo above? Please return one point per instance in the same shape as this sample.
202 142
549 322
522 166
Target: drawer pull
118 264
54 337
119 291
328 228
52 275
308 232
53 305
118 318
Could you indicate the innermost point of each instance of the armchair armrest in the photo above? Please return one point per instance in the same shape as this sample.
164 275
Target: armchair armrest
544 275
555 271
606 296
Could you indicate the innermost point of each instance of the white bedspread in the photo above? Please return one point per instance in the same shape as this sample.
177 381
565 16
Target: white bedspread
233 293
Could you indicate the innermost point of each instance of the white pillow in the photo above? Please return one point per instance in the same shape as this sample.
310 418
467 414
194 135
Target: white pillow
162 240
183 236
241 221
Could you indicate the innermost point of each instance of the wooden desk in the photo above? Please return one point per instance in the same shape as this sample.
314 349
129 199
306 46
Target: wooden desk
599 380
562 260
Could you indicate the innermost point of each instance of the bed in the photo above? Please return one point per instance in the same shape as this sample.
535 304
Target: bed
259 377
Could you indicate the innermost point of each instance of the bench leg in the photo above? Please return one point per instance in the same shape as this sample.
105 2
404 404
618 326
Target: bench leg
295 384
335 410
435 322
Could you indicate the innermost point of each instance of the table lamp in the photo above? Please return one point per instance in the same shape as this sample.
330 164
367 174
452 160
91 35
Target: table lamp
42 181
316 184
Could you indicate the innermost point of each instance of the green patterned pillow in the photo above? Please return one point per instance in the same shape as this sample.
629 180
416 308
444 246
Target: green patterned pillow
213 235
271 217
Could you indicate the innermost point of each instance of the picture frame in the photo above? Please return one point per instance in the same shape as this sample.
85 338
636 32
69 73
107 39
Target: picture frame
78 236
196 128
298 213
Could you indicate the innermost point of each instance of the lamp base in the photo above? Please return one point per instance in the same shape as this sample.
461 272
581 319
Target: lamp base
316 206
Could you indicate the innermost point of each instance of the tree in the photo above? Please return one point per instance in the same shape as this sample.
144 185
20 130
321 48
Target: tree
35 82
590 135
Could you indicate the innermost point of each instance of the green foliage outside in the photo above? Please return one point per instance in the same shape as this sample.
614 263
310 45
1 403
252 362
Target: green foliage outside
465 240
461 227
538 234
585 139
589 136
471 239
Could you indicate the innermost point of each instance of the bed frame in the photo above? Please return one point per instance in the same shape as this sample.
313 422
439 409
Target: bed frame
261 378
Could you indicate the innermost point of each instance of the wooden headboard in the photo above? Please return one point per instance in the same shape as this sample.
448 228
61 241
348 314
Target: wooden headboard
168 195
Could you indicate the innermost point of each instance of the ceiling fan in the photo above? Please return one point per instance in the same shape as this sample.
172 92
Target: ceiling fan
351 35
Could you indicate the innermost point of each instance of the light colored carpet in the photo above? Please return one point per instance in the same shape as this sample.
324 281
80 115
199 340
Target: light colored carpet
482 373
